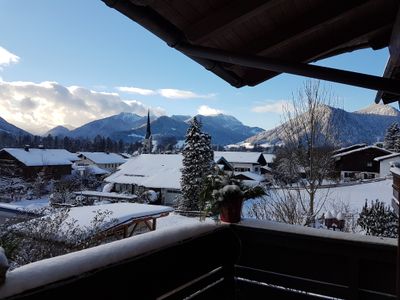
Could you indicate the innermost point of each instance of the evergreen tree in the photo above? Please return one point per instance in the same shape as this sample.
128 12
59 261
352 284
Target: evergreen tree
198 160
392 137
378 220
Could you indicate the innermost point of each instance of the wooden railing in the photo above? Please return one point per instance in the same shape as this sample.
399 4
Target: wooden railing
244 262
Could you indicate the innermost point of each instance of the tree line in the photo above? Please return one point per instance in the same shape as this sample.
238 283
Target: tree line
99 143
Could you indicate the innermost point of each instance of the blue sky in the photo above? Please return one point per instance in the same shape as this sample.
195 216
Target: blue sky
72 61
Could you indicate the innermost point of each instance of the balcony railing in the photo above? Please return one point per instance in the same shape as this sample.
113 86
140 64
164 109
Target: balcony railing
252 260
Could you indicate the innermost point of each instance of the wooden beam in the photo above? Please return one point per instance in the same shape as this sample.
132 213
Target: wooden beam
393 62
281 66
234 13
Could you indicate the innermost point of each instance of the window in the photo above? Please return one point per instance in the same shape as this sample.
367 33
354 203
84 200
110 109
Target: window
369 164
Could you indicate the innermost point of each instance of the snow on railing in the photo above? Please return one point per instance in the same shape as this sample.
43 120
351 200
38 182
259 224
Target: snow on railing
42 273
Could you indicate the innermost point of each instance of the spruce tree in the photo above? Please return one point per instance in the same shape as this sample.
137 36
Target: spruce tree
198 160
392 137
378 220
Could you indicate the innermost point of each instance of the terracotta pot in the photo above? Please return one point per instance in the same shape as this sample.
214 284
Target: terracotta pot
231 210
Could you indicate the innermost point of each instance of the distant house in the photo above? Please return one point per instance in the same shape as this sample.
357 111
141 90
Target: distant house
244 161
158 172
385 163
28 162
250 178
359 162
103 160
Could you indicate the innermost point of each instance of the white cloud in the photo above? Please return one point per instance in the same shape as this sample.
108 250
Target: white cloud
136 90
7 57
277 107
166 93
180 94
208 111
38 107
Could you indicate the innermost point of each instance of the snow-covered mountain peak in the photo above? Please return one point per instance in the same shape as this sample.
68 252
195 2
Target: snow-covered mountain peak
128 116
379 109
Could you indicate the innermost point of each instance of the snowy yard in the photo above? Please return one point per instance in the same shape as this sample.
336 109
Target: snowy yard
353 196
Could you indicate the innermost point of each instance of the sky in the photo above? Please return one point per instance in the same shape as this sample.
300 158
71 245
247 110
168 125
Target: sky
68 62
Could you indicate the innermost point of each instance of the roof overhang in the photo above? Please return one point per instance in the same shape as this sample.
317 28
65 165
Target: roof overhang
248 42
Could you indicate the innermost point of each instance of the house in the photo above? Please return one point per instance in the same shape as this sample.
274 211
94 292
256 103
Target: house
158 172
243 161
359 163
28 162
104 160
385 163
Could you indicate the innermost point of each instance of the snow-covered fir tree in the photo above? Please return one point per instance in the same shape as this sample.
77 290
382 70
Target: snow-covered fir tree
392 137
198 160
378 220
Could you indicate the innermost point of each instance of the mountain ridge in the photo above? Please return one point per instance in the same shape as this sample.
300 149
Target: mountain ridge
367 125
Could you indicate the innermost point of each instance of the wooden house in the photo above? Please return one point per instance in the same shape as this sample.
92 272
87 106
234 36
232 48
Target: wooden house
28 162
359 163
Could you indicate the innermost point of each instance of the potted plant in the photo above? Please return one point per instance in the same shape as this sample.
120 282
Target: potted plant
223 195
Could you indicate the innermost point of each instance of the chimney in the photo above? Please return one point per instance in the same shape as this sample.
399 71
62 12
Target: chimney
26 148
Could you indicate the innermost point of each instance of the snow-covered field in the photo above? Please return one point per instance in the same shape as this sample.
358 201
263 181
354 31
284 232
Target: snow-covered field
352 196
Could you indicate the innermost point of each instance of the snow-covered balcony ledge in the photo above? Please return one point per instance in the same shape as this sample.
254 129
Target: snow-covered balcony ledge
72 266
313 232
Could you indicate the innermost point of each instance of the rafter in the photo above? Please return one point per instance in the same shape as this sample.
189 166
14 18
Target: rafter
363 25
225 17
291 28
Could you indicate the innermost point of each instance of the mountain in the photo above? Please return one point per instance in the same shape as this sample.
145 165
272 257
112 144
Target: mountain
367 125
223 129
183 118
107 126
11 129
59 131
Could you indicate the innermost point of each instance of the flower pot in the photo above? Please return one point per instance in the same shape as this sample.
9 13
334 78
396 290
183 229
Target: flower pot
231 210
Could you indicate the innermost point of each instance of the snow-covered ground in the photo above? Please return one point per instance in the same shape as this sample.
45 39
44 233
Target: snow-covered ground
352 196
26 205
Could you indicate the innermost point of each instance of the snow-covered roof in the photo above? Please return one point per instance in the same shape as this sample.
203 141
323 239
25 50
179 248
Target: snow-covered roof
395 170
92 169
150 170
361 149
110 195
121 212
344 149
251 176
269 157
386 156
33 157
103 157
238 157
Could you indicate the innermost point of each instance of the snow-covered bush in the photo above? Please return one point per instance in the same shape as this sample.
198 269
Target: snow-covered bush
378 220
221 188
51 235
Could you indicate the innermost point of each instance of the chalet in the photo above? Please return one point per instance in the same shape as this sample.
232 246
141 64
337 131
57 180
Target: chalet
158 172
28 162
243 161
385 163
359 163
103 160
